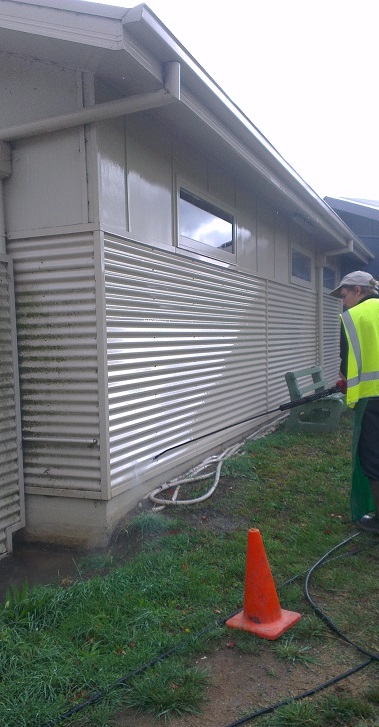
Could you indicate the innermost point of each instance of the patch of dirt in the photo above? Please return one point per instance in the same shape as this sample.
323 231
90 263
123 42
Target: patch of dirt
241 684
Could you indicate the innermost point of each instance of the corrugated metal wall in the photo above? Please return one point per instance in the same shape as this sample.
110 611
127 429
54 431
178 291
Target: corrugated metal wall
56 317
332 326
11 476
188 349
291 335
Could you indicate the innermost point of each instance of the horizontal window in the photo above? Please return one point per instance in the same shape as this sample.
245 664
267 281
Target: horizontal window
204 227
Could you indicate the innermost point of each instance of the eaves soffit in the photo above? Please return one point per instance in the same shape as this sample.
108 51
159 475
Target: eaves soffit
92 40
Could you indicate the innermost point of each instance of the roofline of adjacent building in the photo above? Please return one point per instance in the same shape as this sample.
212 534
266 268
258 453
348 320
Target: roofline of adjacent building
360 207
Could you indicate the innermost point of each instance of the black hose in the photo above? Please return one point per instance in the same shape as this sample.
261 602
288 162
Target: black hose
318 610
266 710
309 693
372 657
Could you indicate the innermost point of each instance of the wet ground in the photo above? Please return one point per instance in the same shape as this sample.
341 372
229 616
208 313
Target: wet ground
36 564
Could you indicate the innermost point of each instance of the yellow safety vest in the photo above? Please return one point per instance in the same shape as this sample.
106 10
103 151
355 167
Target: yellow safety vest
361 324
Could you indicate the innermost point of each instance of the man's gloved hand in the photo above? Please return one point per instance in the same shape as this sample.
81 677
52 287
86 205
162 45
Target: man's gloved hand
341 383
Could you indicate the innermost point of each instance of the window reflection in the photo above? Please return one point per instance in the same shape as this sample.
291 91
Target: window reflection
203 222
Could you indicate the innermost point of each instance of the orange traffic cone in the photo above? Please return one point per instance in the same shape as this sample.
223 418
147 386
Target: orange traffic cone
261 613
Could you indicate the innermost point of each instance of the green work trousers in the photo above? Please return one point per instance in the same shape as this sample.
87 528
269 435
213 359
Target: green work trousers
361 501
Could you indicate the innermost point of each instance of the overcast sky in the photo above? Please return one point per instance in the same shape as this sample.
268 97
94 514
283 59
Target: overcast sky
305 72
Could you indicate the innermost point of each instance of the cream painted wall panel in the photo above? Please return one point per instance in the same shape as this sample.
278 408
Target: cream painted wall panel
186 353
221 185
265 242
149 179
246 230
47 187
30 89
57 338
281 251
112 160
188 163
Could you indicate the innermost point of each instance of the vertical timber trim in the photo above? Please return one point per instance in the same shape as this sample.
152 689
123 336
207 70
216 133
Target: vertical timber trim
101 329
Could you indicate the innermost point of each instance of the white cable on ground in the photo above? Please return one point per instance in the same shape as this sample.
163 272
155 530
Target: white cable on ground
195 475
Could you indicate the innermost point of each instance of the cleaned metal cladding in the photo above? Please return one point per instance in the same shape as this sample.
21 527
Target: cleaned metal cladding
10 499
291 335
186 350
56 311
189 348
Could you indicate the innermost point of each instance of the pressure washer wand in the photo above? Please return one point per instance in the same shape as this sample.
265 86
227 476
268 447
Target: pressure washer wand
338 388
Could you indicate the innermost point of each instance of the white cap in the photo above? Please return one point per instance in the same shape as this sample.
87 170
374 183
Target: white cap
358 277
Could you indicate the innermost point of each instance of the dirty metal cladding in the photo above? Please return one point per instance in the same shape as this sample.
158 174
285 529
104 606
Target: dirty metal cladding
332 327
10 475
186 351
291 335
56 311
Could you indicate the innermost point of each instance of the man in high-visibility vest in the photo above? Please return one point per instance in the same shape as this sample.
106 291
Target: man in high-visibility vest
360 371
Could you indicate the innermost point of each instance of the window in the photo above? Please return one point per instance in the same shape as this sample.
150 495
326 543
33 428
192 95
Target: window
329 278
204 227
301 267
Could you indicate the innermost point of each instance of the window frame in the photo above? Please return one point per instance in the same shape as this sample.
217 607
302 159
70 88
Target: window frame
194 246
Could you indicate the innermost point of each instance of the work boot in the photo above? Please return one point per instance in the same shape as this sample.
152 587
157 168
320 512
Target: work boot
370 523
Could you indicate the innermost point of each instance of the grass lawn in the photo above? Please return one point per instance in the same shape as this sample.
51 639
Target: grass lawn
99 641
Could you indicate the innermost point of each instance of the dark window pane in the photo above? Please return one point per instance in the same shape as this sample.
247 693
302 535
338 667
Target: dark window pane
301 266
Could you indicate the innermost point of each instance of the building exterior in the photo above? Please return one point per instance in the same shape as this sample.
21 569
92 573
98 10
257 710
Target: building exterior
362 216
168 267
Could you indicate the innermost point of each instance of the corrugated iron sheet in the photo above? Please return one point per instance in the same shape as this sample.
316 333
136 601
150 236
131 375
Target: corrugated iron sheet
56 315
11 481
186 350
291 336
189 348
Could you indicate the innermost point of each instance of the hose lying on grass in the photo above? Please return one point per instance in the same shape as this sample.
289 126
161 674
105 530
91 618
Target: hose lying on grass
372 658
210 467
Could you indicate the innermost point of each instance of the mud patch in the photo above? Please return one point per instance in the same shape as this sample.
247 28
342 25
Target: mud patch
241 684
36 565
